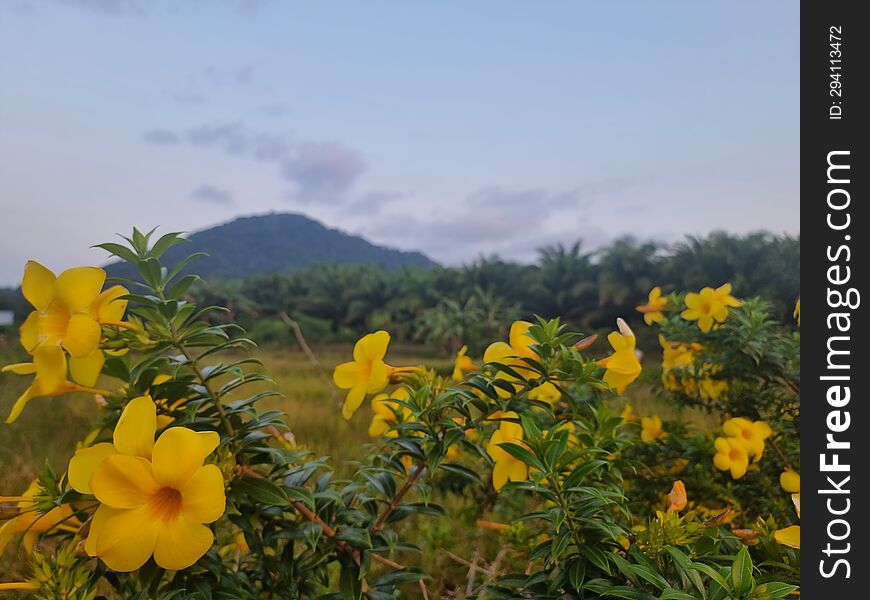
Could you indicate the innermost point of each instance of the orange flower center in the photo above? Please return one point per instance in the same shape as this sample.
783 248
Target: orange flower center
52 324
734 455
746 433
705 308
165 504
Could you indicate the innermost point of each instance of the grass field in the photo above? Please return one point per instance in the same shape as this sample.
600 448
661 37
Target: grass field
50 428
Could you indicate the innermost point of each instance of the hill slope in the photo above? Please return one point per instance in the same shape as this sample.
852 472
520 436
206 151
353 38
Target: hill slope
277 242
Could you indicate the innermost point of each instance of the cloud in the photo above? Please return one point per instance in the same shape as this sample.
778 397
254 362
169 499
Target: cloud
322 169
109 7
371 203
212 195
511 223
161 137
315 170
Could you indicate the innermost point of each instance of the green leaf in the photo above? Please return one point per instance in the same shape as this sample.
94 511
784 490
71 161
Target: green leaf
675 594
263 491
651 576
180 287
741 572
165 243
684 566
355 536
523 455
628 593
122 252
713 574
461 471
774 589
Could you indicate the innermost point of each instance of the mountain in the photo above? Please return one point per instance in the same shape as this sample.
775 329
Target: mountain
277 242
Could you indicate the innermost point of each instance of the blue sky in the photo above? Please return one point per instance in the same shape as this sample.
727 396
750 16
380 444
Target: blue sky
456 128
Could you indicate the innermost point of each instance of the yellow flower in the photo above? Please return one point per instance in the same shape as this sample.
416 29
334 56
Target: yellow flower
652 310
367 373
709 306
510 356
462 364
69 310
797 312
627 414
677 498
712 389
546 392
651 429
622 367
506 466
520 339
155 497
50 369
790 481
791 536
386 411
731 455
751 434
677 357
31 523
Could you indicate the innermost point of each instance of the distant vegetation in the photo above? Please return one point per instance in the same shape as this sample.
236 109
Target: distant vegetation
448 306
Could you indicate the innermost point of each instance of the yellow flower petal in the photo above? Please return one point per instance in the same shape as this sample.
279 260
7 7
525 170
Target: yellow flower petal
181 543
29 394
177 455
122 481
20 368
790 536
738 468
202 497
500 473
371 347
518 471
498 352
108 307
28 333
348 375
520 340
126 539
38 285
790 481
84 463
378 378
134 433
379 426
77 288
82 335
86 370
209 440
100 517
353 401
50 363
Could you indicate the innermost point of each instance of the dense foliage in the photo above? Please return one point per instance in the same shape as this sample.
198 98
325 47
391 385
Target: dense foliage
224 505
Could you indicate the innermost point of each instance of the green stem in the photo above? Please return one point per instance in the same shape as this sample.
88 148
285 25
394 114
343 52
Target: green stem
194 365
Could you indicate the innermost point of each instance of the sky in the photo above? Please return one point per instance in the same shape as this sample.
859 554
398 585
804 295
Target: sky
456 128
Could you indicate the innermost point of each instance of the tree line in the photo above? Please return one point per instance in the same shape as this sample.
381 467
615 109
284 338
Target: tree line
471 304
448 306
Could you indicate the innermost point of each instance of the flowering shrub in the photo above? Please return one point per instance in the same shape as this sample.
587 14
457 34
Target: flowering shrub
187 490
